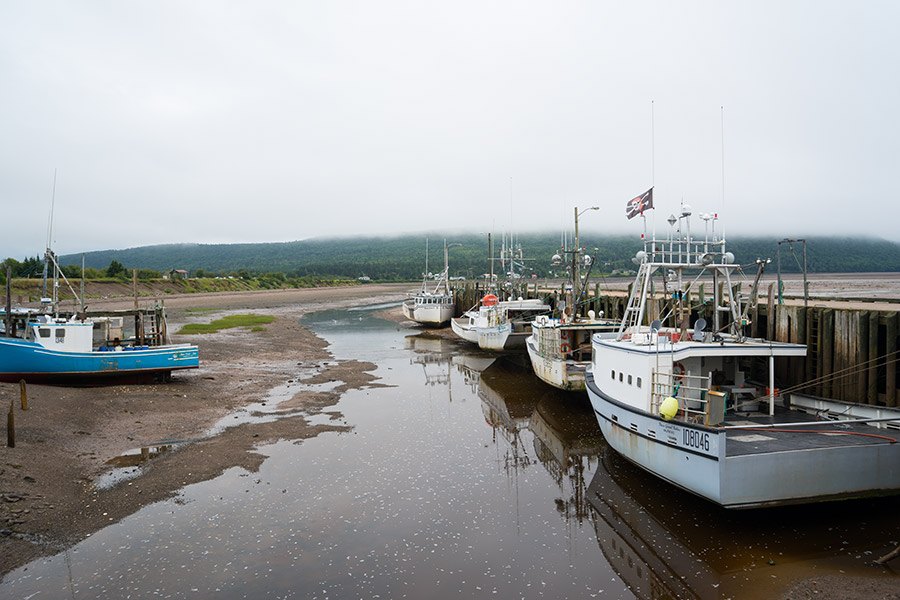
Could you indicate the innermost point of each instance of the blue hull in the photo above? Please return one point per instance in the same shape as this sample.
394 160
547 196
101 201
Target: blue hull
21 359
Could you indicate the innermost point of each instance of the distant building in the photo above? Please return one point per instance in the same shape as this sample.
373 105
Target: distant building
364 279
176 274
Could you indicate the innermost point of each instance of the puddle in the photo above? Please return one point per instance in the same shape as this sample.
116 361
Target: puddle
128 466
268 409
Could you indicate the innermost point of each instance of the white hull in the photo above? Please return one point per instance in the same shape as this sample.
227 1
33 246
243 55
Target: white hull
696 458
495 338
428 314
492 328
560 373
463 329
561 352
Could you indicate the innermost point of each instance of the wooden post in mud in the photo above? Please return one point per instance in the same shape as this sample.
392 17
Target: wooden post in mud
11 427
24 394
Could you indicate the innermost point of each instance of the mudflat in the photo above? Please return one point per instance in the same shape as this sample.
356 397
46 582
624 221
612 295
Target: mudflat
66 439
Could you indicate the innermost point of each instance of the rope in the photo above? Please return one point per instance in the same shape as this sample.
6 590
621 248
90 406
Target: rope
846 372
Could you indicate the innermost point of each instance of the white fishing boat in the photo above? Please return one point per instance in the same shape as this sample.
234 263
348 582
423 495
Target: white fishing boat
560 347
499 325
434 307
696 405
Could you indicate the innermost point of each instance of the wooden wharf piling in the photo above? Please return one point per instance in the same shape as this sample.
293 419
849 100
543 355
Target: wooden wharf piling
852 344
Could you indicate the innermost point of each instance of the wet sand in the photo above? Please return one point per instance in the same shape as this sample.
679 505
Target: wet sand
48 500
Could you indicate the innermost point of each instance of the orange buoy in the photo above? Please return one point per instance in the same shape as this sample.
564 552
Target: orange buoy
490 300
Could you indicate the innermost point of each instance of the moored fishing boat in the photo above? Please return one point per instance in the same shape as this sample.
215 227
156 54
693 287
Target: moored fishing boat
696 406
499 325
44 346
560 347
432 307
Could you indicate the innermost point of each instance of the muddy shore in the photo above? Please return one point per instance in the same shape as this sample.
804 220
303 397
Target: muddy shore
49 499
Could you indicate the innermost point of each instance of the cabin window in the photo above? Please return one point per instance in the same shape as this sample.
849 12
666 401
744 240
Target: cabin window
621 377
612 374
44 332
639 382
60 334
629 380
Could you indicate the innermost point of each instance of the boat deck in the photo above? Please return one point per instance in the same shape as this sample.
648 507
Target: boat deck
777 434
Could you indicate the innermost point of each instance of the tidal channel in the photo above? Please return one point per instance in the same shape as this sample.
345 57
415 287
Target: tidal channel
462 476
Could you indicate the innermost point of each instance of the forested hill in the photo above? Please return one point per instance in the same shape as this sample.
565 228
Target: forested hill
403 257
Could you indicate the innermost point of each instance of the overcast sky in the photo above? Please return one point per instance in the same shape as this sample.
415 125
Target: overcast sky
173 121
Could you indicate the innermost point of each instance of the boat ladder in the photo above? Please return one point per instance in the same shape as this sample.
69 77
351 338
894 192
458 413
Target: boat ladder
634 310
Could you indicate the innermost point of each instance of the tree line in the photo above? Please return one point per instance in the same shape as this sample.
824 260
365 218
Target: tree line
403 258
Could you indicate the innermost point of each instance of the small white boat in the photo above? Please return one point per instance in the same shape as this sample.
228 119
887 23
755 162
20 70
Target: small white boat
694 406
435 307
499 326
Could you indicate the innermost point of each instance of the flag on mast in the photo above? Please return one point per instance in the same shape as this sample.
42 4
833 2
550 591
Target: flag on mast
636 206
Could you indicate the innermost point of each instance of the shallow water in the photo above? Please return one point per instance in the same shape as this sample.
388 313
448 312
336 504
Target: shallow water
467 477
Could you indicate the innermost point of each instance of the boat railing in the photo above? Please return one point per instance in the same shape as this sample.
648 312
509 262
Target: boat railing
697 401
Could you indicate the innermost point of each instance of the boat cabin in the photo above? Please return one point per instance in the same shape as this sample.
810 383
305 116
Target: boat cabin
707 380
61 335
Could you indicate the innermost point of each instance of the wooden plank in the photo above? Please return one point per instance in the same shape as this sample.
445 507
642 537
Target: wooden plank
872 376
801 329
770 313
891 356
827 350
859 381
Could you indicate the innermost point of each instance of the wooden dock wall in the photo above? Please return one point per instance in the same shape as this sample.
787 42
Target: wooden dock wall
851 353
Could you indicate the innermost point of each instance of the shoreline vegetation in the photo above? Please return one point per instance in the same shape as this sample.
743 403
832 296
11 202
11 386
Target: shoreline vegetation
30 290
250 320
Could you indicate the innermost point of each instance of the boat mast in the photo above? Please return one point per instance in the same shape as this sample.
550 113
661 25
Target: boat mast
576 262
576 279
49 236
446 269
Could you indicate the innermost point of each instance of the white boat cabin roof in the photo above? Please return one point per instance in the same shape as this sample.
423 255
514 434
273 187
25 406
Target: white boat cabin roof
648 344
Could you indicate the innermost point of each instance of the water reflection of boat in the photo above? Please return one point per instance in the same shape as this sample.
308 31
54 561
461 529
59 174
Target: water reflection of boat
506 400
567 441
432 352
666 544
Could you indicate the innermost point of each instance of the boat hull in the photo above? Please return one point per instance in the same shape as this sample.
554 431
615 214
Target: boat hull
560 373
498 338
437 314
461 327
21 359
696 458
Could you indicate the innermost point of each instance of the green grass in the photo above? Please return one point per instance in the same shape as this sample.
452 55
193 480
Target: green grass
229 322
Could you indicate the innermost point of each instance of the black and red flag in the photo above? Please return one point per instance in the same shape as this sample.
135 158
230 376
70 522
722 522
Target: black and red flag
637 206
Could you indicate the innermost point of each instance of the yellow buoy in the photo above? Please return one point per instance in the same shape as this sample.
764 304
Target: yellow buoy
669 408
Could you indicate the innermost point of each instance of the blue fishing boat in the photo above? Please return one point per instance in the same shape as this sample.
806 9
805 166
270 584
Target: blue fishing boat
42 345
55 348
